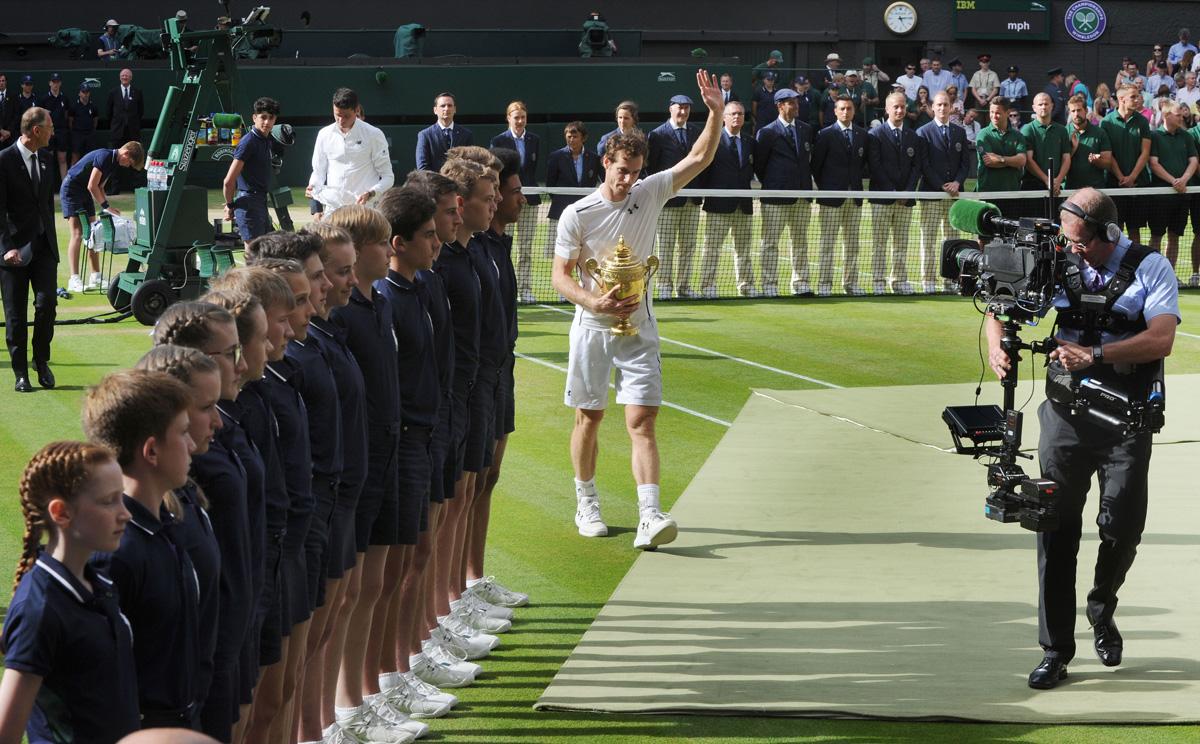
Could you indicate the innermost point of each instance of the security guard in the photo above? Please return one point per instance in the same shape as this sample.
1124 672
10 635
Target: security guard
1126 353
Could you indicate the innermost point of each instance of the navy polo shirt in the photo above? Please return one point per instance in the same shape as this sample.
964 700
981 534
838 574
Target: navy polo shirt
458 275
57 106
314 380
197 538
237 438
290 413
263 428
420 389
254 150
81 646
499 247
350 391
83 116
367 325
78 176
493 319
159 592
433 293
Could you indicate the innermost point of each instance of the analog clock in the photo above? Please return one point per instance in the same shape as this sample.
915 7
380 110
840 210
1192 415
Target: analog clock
900 18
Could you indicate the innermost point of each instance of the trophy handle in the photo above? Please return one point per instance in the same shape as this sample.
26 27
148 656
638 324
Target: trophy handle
591 267
652 265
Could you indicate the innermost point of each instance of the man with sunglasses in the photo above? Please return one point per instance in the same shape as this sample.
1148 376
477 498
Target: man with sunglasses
1123 348
911 80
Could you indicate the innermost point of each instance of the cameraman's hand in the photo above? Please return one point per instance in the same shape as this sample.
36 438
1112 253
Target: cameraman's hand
1072 357
609 304
998 361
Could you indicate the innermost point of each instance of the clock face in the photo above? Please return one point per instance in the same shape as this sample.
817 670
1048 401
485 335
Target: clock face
900 18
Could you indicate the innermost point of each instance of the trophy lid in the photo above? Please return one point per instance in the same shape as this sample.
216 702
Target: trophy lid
623 255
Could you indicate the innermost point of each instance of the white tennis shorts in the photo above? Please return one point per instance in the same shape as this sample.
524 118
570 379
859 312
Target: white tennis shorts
593 355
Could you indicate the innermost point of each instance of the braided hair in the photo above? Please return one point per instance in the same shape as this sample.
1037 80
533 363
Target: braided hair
240 304
189 324
57 470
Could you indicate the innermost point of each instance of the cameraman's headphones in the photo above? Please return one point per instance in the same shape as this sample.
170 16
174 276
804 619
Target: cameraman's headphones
1110 231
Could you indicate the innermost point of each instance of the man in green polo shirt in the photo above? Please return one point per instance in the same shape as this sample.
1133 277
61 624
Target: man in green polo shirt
1194 209
1047 154
1091 152
1173 162
1001 153
1129 134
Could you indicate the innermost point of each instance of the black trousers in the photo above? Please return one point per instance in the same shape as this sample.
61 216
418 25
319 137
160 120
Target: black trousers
15 281
1071 450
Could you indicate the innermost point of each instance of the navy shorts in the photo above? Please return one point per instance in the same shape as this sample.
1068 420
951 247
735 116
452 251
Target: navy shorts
74 202
294 573
343 553
416 470
81 142
250 214
375 520
60 141
506 399
1168 213
480 438
316 543
460 418
270 605
1133 211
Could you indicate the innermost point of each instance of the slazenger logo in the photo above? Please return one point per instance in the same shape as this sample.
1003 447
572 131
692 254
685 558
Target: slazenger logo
189 146
92 83
223 153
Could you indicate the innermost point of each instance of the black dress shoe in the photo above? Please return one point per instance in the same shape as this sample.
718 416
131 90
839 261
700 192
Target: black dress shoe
1108 644
45 376
23 385
1048 674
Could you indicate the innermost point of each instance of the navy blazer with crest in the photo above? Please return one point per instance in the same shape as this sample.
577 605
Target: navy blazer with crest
777 163
894 166
533 144
727 173
665 151
839 165
20 208
942 165
431 146
560 171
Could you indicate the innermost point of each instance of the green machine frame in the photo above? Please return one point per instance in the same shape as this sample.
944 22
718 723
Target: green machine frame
178 249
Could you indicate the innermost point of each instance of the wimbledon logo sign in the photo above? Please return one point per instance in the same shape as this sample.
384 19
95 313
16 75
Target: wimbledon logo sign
1085 20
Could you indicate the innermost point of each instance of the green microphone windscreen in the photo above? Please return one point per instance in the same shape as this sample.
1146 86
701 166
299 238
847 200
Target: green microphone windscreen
968 215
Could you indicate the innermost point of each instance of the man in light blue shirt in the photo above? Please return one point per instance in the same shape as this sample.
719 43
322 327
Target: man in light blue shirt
936 79
1013 87
957 79
1177 50
1159 78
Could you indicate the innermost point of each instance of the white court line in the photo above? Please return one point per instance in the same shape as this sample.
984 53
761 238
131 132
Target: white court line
711 352
676 406
1189 335
852 422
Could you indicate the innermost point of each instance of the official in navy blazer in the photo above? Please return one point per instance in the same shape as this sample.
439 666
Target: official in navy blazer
669 143
895 154
573 166
28 247
727 88
944 168
528 145
433 141
781 161
732 168
839 163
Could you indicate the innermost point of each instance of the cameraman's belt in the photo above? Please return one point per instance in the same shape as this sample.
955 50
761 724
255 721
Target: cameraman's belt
1107 321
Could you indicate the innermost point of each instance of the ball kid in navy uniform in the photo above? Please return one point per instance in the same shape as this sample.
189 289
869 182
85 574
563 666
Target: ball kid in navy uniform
68 651
55 101
142 416
83 116
189 504
81 191
246 182
222 474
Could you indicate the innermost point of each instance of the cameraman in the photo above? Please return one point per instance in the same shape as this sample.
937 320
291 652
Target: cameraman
1126 356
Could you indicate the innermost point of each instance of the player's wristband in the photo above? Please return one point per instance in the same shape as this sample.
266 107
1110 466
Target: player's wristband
229 205
104 204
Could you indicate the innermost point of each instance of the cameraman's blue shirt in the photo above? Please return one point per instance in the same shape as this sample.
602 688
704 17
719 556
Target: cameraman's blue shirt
1153 292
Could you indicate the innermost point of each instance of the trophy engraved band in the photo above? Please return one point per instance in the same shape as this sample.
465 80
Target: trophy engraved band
622 270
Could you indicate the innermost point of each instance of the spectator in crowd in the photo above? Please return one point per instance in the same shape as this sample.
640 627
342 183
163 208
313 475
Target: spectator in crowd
626 115
574 166
782 154
124 113
956 105
1130 76
839 163
1159 78
528 146
1130 136
110 46
1180 48
774 59
895 154
1188 63
972 128
1173 161
945 167
1013 88
1014 119
1091 152
764 101
924 65
958 79
55 101
726 90
9 128
434 140
920 111
1054 89
732 168
1001 155
875 77
1076 87
223 23
835 88
833 66
1189 94
807 103
83 117
985 83
667 145
865 97
1047 157
1103 103
911 81
1156 56
935 78
1163 96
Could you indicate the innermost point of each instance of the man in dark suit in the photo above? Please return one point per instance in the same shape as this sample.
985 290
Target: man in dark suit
727 88
944 168
732 168
573 166
839 163
528 146
124 112
28 248
434 140
669 143
894 154
9 126
781 162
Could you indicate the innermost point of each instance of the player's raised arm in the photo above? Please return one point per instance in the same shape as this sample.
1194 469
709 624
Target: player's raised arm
706 145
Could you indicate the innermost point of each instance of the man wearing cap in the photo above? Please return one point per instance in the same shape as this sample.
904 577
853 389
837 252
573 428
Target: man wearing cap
935 78
945 167
865 97
1160 77
873 76
895 154
732 168
668 144
764 100
781 161
839 163
1180 48
807 102
124 113
1047 156
9 127
25 100
82 118
771 65
56 103
833 66
1058 96
836 87
985 82
958 79
110 45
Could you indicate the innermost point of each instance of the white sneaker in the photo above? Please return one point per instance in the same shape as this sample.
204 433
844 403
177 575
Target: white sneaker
769 290
655 528
472 601
470 647
368 726
854 290
880 287
426 691
477 638
393 718
475 617
494 592
929 287
95 281
664 292
710 293
440 654
587 517
74 284
408 701
528 298
824 290
903 288
1194 280
439 675
801 288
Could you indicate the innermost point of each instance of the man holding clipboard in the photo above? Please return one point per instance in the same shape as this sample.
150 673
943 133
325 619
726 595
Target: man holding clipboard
28 248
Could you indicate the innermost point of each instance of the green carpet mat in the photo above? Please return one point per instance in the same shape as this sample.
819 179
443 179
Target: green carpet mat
834 561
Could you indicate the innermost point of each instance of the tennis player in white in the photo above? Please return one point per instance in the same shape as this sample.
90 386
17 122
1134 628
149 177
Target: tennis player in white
622 206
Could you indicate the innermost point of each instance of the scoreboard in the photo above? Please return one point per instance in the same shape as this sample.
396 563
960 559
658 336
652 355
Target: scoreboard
1002 19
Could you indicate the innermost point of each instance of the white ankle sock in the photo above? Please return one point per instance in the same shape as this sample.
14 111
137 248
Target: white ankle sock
585 488
390 680
341 715
648 497
473 582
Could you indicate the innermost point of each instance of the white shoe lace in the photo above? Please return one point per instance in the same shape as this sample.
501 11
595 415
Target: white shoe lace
588 510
